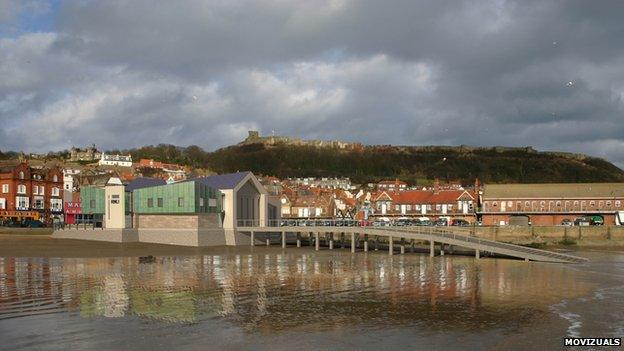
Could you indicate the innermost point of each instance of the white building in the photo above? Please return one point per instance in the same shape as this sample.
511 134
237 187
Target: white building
115 160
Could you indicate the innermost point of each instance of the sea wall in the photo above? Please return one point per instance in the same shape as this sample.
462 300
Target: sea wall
552 234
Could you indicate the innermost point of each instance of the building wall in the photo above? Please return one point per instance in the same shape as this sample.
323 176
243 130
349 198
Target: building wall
544 219
31 178
185 221
185 197
115 217
92 200
247 202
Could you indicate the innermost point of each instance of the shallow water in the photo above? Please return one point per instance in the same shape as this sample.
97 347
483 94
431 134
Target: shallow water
269 298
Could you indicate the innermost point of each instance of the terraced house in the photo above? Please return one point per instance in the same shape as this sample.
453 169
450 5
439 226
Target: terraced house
30 193
434 203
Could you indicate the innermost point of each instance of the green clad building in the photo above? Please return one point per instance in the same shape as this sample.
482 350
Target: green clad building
177 198
92 200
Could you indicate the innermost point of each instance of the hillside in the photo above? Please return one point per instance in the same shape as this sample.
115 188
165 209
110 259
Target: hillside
414 164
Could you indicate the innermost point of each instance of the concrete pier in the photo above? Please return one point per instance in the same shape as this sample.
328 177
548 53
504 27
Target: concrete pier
352 242
298 240
331 243
365 245
390 246
477 254
252 238
268 240
431 248
283 240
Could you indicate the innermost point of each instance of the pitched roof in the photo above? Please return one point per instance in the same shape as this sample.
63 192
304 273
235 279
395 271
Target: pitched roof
222 181
579 190
428 196
140 183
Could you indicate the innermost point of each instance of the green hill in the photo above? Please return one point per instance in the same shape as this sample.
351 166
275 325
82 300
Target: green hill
414 164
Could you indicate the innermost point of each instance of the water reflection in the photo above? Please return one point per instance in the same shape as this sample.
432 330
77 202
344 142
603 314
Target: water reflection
269 289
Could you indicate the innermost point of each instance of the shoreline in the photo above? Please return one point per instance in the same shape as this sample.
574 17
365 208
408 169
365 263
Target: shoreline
28 245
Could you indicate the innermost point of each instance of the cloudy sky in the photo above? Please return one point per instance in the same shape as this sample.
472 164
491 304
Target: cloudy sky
126 73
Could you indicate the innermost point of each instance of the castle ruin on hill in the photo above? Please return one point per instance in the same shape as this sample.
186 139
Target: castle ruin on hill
273 140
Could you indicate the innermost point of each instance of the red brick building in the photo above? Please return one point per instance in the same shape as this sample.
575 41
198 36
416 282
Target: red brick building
549 204
30 193
430 203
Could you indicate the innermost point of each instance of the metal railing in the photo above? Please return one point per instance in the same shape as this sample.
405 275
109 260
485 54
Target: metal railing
329 223
458 233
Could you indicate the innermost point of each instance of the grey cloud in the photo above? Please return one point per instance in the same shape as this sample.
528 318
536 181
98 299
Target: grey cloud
490 72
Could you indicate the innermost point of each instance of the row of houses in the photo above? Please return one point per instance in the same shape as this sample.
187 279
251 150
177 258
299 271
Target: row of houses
70 195
490 204
30 193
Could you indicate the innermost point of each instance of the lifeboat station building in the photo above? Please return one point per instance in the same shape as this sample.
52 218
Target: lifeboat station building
204 211
550 204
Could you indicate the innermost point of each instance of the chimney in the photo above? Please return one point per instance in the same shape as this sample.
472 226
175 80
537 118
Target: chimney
436 186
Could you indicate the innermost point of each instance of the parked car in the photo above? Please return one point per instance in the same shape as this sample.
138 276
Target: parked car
33 224
402 222
567 222
583 221
441 222
597 220
460 223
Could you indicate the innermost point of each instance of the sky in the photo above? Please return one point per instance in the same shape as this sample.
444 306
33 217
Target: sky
128 73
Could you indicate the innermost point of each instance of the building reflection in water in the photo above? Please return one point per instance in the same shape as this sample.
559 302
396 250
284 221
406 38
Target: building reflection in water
269 289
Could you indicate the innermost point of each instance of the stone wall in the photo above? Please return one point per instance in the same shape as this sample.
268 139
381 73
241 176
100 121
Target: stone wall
192 221
519 234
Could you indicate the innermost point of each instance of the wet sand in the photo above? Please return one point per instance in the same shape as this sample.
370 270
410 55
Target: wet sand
46 246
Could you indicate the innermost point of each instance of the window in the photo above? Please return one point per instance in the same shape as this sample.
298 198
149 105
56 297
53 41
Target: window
592 203
558 203
21 189
618 203
150 202
42 190
38 203
5 188
55 178
438 207
56 205
201 202
21 175
180 202
22 202
35 189
601 204
2 204
159 202
55 191
608 203
397 207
